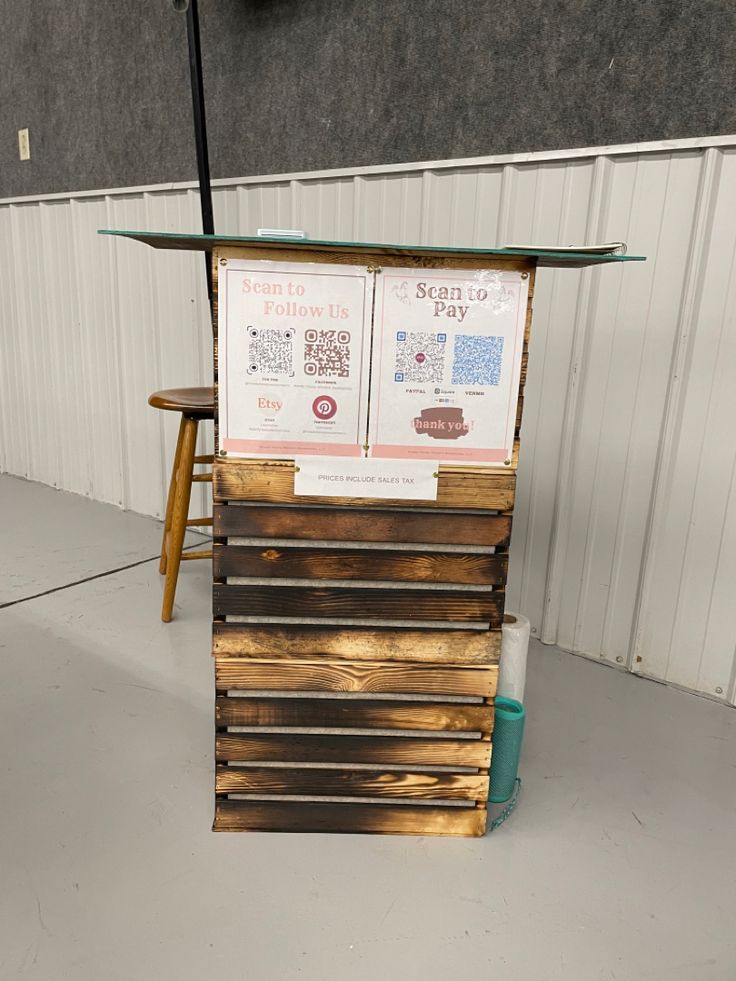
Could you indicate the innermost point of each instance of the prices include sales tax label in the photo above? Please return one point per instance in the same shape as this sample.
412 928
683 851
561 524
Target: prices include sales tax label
385 479
447 352
293 346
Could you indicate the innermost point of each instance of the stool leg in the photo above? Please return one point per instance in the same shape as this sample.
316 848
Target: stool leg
170 498
179 514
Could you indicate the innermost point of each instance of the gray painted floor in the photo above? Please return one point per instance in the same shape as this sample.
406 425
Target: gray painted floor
620 862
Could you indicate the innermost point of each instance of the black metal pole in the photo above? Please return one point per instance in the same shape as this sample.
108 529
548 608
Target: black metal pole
200 127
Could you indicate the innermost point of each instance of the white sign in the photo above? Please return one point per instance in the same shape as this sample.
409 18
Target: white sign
331 477
293 350
447 352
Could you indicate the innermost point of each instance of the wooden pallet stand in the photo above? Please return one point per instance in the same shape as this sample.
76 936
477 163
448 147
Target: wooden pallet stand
356 641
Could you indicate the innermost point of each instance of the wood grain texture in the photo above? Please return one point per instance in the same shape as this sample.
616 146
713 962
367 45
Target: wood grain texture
529 306
409 751
348 524
270 641
272 481
316 782
519 414
363 602
353 713
373 255
366 563
366 676
389 819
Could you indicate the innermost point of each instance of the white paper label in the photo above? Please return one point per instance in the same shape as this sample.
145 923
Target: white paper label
336 477
447 348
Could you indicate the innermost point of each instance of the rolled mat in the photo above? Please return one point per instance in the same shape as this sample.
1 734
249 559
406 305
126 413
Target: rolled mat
508 734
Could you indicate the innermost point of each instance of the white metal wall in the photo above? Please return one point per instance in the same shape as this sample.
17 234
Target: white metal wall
624 543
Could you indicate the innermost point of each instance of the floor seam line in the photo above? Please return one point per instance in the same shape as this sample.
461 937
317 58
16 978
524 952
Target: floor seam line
99 575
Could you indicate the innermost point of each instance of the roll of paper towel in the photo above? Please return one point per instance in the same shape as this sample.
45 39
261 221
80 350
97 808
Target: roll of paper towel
514 647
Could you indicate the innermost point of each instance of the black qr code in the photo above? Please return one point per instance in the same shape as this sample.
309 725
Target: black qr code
477 360
270 351
327 353
420 357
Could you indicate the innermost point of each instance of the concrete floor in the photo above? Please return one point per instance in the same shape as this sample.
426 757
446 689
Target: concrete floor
618 864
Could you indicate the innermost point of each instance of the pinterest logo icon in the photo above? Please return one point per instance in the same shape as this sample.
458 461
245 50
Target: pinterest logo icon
324 407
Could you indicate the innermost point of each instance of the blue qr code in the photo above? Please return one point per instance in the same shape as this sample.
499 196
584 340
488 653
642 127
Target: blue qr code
477 360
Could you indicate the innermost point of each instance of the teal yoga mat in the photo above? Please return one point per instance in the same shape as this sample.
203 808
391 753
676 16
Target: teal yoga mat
508 735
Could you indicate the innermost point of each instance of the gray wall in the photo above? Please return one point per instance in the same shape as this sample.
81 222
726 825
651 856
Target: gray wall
298 85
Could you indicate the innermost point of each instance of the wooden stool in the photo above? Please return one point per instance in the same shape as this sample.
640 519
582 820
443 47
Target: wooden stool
195 404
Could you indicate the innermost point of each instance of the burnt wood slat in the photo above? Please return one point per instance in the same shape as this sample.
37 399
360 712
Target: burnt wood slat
271 641
430 257
241 815
519 414
348 524
353 713
529 306
350 783
365 676
363 602
409 751
524 367
273 481
336 563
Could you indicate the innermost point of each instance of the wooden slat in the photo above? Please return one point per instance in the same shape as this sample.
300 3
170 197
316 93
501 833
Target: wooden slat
347 524
382 750
353 713
366 563
522 378
406 679
361 255
519 413
240 815
363 602
273 481
529 306
357 643
350 783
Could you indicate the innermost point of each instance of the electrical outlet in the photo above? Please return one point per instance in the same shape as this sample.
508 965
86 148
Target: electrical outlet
24 146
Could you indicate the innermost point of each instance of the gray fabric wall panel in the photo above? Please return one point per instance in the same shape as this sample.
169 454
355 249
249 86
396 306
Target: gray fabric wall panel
103 88
296 85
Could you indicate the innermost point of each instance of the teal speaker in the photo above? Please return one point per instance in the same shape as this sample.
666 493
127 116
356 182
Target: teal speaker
508 735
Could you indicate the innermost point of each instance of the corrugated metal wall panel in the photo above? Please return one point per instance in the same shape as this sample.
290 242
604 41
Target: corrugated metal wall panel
687 625
548 396
624 368
627 439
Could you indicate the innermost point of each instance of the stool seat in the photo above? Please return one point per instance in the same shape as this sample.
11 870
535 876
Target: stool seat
197 403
